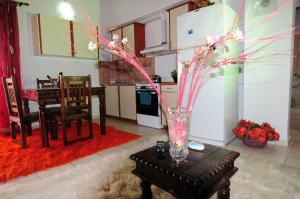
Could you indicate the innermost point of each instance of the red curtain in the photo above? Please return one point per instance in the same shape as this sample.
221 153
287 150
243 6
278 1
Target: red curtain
9 52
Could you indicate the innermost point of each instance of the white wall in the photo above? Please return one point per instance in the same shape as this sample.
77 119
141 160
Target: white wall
267 84
236 5
33 67
164 64
128 10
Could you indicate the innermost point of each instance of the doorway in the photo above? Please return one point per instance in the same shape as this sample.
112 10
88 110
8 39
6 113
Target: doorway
295 95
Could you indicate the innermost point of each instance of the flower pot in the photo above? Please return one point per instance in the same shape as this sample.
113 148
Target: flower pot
254 143
174 79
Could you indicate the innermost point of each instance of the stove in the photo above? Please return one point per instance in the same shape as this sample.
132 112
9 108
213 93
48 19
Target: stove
148 106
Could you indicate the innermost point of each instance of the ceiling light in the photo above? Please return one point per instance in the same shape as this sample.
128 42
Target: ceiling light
66 11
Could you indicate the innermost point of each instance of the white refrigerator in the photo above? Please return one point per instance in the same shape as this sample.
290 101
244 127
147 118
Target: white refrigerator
215 112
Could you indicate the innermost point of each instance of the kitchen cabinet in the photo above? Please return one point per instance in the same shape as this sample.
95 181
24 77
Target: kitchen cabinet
59 37
117 32
51 36
82 34
128 31
127 102
120 101
112 101
135 34
169 93
173 14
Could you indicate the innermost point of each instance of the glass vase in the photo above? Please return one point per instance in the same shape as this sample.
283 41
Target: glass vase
179 125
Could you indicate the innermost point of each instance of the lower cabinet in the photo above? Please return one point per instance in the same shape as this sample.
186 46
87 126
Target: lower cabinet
112 101
169 93
127 102
120 101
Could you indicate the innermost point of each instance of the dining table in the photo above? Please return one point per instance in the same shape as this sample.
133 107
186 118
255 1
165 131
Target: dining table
41 96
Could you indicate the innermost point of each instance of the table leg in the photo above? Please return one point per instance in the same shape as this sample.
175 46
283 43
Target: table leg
26 106
43 128
27 111
146 190
102 113
224 192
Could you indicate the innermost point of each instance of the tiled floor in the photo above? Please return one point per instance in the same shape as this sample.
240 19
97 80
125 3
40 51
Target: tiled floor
286 157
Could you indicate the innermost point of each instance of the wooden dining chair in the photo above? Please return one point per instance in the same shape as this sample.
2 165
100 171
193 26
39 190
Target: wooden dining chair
51 105
75 98
16 113
44 83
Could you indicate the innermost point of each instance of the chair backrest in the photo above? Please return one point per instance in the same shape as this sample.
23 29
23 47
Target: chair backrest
44 83
75 93
13 98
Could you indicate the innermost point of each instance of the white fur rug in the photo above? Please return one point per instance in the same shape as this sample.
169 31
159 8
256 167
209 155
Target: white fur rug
107 175
259 180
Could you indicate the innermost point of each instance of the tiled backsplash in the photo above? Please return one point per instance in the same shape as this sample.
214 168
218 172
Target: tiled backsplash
121 72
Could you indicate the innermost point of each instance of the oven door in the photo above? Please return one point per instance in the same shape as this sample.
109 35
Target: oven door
147 102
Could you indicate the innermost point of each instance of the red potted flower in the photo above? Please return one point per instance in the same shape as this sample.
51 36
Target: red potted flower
255 135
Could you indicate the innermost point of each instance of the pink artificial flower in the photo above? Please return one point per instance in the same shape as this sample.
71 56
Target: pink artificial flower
237 35
125 40
212 39
116 37
112 44
92 46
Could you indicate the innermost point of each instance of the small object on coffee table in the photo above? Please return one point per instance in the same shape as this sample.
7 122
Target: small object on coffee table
196 146
160 149
203 174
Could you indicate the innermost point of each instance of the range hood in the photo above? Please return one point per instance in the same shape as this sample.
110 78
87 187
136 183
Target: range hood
163 46
156 49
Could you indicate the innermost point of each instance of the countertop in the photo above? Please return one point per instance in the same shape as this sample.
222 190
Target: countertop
133 84
120 84
168 83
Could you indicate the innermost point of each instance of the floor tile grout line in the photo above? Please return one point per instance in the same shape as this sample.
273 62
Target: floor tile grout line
286 157
73 164
38 176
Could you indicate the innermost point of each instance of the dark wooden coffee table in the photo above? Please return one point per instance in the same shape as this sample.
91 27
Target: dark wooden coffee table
200 176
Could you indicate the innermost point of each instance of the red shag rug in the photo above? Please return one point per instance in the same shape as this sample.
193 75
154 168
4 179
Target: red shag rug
15 161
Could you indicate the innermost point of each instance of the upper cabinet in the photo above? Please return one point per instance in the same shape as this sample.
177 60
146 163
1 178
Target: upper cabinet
84 33
173 14
58 37
117 32
129 33
51 36
135 34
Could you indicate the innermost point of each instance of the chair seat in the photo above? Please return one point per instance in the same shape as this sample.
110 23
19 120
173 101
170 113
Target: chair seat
27 118
52 110
34 116
52 101
70 115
